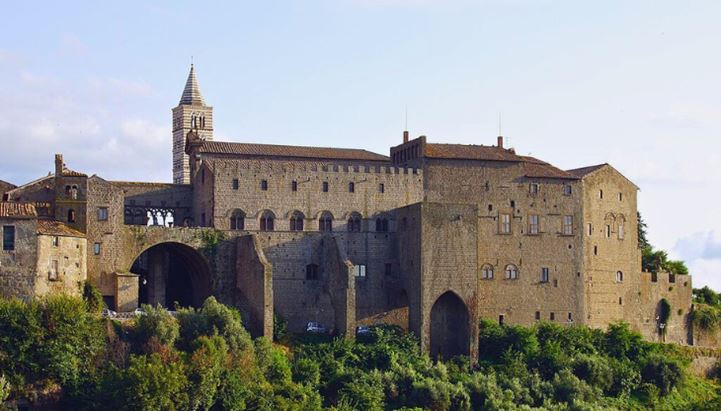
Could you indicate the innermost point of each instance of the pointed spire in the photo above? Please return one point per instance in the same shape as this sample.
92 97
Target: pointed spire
191 93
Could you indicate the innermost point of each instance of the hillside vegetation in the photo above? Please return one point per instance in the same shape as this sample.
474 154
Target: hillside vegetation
58 351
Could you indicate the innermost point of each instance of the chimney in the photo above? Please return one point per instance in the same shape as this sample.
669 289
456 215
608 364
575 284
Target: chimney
59 164
405 136
500 141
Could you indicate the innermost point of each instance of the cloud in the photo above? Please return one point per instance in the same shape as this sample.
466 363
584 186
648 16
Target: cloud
702 253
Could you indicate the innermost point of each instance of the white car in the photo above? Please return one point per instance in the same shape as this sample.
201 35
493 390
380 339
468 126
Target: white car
363 330
139 311
315 328
108 313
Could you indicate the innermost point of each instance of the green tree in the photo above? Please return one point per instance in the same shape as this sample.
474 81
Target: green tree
157 323
642 232
150 384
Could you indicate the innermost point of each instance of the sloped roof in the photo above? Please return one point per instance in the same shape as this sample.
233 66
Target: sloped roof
72 173
535 168
52 227
7 184
469 152
584 171
191 92
272 150
17 210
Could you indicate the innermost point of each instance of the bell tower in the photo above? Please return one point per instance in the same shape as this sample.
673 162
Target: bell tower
191 114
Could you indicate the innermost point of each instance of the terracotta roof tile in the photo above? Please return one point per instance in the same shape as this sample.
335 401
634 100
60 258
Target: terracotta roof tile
583 171
17 210
324 153
535 168
469 152
52 227
72 173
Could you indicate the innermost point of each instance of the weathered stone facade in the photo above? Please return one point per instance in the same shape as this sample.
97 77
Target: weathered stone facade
446 233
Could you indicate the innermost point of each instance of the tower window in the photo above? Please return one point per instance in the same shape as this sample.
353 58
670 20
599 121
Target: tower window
595 250
567 189
264 185
359 271
533 188
505 223
619 276
590 229
267 220
71 216
325 224
600 194
544 274
102 213
96 248
8 237
354 223
351 187
236 184
293 185
325 187
381 224
381 188
501 319
620 196
621 233
538 316
533 224
568 225
487 272
511 272
608 231
296 221
237 220
553 316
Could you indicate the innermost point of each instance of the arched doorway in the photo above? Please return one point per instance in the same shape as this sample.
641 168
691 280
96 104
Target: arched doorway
172 273
449 327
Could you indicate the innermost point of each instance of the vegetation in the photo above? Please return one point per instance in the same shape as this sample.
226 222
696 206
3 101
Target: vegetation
57 350
653 260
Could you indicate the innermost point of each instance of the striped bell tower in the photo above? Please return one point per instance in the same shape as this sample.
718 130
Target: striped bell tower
191 114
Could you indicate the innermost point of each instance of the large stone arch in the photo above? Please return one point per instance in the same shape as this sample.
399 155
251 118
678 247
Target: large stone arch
449 327
172 272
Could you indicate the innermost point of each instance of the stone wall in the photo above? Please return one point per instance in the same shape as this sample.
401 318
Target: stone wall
70 255
254 282
17 267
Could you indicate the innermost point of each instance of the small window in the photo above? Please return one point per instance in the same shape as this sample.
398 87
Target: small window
311 272
654 277
590 229
513 204
533 224
354 223
359 271
619 276
389 269
325 187
671 278
351 187
600 194
568 225
505 223
74 192
567 189
8 237
608 231
570 317
237 220
96 248
71 216
296 221
293 185
56 241
267 220
620 196
620 301
381 188
553 316
102 213
264 185
511 272
487 272
501 319
236 184
53 273
544 274
595 250
533 188
538 316
490 207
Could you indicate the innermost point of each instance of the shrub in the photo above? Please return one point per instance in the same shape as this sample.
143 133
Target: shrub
570 389
93 298
150 384
157 322
206 366
307 372
706 317
595 371
621 342
662 371
365 392
211 319
280 327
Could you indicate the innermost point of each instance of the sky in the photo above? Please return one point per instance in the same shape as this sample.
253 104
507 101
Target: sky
632 83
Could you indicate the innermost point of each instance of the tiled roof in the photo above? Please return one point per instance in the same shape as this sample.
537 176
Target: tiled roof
191 92
52 227
324 153
535 168
17 210
6 184
583 171
469 152
71 173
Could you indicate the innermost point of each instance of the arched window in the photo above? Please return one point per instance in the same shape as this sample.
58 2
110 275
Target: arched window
382 224
266 220
237 220
71 216
311 272
487 272
325 223
619 276
74 192
296 221
511 272
354 223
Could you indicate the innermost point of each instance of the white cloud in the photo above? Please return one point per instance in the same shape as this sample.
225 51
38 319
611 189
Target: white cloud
702 253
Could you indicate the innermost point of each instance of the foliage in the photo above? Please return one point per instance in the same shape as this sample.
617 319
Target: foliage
93 298
210 239
280 327
642 232
664 313
706 296
653 260
706 317
157 324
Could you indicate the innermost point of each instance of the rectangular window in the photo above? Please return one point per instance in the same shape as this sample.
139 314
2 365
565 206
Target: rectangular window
53 274
102 213
608 231
359 271
620 196
568 225
294 186
325 186
533 224
621 233
56 241
236 184
96 248
389 269
538 316
533 188
351 187
567 189
505 223
553 316
501 319
570 317
590 229
8 237
264 185
381 188
544 274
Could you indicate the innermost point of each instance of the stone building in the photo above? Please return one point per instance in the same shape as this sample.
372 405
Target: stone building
436 235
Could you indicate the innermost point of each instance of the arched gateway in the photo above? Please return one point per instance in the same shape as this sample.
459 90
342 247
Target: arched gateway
449 327
171 273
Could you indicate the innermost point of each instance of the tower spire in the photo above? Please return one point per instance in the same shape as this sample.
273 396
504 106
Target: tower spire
191 92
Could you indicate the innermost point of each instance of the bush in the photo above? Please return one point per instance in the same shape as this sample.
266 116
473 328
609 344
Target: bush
93 298
595 371
662 371
211 319
157 323
151 384
205 368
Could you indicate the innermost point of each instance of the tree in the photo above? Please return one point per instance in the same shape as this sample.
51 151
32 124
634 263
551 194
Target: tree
705 295
642 240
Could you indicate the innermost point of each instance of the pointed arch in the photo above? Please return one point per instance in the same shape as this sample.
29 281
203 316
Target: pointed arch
450 332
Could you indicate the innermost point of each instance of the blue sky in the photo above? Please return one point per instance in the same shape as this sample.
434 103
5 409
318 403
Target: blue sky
632 83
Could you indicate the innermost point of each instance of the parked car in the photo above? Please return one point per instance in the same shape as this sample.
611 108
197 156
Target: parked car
139 311
362 330
315 328
108 313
